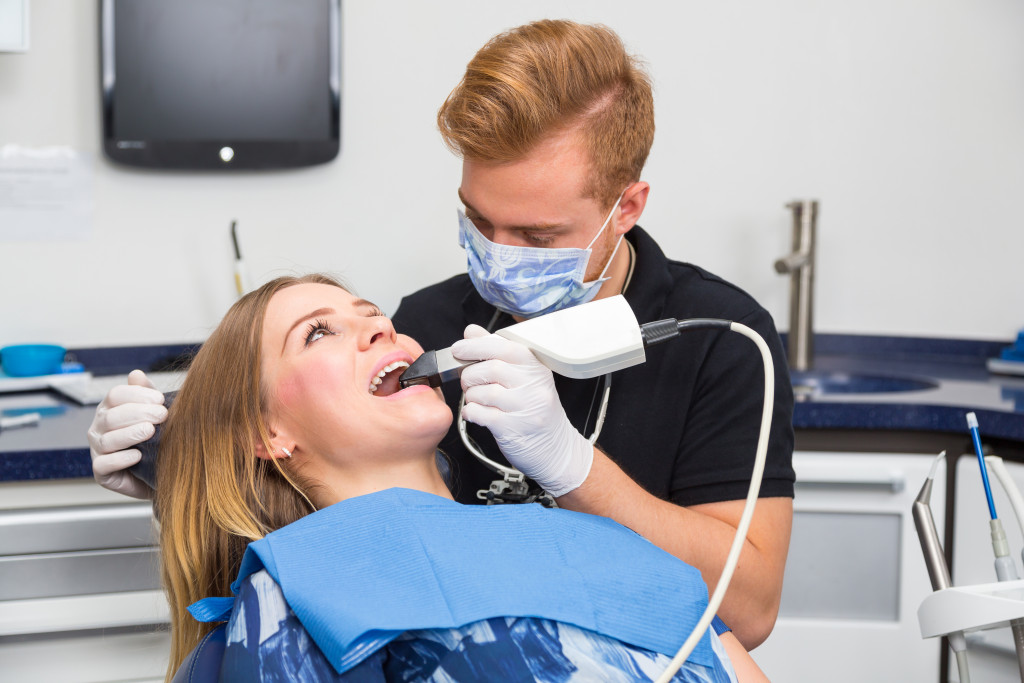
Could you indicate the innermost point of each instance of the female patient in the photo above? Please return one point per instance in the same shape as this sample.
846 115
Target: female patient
291 433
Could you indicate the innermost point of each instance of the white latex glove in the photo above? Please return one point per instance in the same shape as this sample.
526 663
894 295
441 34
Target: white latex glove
127 416
513 395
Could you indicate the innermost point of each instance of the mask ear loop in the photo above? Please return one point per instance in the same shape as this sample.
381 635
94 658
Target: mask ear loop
617 244
607 220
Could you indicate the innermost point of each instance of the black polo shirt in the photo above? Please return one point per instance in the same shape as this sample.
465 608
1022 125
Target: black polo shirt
684 424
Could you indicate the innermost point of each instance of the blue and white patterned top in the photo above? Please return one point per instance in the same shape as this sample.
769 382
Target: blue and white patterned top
266 642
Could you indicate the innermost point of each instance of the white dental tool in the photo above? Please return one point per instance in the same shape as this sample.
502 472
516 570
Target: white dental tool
584 341
581 342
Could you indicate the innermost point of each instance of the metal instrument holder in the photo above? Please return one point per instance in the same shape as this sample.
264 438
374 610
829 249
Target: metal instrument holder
951 611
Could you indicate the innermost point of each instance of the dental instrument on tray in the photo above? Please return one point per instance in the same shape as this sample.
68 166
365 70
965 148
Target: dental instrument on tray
972 426
597 338
14 422
935 561
241 286
1005 568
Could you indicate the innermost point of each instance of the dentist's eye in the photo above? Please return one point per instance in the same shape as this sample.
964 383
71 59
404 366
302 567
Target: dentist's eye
481 223
540 240
318 329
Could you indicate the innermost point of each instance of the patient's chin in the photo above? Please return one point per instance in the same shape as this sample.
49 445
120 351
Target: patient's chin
431 419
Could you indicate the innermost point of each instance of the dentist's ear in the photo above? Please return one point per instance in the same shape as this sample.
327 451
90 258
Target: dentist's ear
634 199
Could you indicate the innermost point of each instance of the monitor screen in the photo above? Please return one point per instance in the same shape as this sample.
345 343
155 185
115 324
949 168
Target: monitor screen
210 84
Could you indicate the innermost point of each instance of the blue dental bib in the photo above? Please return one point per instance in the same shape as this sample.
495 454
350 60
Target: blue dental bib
362 571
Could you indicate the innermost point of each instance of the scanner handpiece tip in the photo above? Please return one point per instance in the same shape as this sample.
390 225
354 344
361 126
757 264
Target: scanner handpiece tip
423 370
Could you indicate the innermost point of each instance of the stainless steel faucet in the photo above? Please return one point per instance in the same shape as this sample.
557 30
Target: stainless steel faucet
800 266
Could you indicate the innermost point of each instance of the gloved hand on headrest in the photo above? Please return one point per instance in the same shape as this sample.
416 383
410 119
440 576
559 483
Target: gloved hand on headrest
126 417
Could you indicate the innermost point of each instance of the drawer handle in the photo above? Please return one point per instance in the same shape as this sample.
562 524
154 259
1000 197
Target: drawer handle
890 483
76 514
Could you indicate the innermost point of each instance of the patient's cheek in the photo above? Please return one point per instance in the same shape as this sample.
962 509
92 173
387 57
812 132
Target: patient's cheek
308 387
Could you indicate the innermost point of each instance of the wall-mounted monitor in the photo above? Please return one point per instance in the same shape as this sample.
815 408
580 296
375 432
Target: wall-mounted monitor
221 84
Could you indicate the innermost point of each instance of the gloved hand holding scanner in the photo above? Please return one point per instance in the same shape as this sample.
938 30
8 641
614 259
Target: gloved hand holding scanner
513 395
509 388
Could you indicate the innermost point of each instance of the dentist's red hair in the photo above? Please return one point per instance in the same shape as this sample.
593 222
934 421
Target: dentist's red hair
537 80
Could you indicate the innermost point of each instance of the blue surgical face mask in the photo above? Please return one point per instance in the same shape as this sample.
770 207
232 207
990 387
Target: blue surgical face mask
530 281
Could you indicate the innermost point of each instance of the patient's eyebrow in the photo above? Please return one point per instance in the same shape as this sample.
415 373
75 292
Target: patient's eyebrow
312 314
363 303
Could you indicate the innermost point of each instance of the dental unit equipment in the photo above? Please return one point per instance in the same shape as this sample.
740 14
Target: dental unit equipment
953 610
595 339
995 463
760 454
1005 568
935 561
972 426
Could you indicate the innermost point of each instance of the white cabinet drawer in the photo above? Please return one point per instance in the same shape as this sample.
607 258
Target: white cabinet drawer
854 575
76 527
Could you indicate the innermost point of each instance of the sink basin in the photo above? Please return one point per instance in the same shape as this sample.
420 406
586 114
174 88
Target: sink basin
812 382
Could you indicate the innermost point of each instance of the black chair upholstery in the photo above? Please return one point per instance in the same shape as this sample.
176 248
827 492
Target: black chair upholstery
202 665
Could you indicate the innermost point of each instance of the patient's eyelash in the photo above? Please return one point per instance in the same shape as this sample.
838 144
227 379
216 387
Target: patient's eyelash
318 326
375 313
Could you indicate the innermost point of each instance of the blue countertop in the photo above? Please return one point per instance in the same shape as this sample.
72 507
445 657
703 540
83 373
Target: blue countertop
955 370
57 447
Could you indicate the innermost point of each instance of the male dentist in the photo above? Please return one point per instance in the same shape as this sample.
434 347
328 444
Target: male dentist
554 121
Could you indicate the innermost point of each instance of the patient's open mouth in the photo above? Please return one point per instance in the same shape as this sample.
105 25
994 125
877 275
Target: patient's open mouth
385 382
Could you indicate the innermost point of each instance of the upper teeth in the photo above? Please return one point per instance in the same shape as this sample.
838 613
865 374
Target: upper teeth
376 381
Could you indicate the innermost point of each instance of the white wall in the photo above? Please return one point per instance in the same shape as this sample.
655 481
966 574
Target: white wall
905 118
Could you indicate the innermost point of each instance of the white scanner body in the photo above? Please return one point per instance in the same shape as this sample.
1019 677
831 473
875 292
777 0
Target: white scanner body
588 340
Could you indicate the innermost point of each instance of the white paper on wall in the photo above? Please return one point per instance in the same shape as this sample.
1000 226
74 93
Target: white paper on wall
45 194
13 25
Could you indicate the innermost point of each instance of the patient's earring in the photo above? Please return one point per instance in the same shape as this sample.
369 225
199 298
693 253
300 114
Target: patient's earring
287 453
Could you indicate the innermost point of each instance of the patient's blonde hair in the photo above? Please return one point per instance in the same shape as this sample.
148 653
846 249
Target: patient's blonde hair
214 495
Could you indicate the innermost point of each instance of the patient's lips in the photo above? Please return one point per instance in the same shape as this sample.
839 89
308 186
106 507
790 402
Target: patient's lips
385 382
